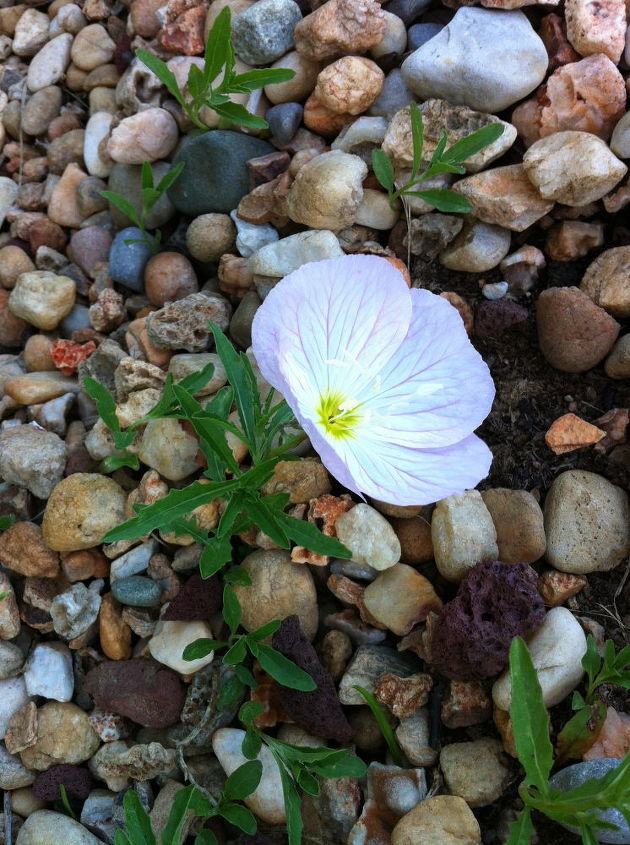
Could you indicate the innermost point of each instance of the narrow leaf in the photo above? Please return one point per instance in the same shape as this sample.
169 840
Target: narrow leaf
238 114
106 407
123 205
231 609
308 535
201 648
254 79
217 45
265 631
417 136
237 653
165 183
292 805
146 175
137 820
283 670
217 552
522 829
444 200
6 522
160 69
472 144
386 729
251 745
580 732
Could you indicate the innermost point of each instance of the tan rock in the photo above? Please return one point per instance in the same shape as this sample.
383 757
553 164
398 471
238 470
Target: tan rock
504 196
322 120
607 281
35 388
339 27
23 551
328 190
9 611
350 85
414 535
300 86
64 735
518 521
42 298
463 534
170 450
403 696
589 96
114 633
617 364
475 771
568 433
302 480
210 236
92 47
149 135
80 510
571 239
400 597
439 820
13 262
556 587
597 28
63 207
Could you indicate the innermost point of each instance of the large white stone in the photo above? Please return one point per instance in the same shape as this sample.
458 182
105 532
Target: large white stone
96 129
47 828
463 534
483 58
284 256
49 672
369 536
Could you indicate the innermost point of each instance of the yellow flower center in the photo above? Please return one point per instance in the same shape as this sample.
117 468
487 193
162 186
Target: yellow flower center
337 415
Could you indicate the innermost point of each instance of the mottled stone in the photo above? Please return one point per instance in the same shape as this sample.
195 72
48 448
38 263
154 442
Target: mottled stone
339 27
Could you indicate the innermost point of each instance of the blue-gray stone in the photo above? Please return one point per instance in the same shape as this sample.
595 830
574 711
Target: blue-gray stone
78 318
264 32
128 260
408 10
420 33
576 775
215 177
284 121
136 591
395 95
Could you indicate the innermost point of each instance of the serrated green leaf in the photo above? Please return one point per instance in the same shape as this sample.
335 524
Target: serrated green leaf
216 553
217 46
106 407
472 144
160 69
187 801
114 462
196 82
591 662
123 205
444 200
201 648
231 609
383 169
194 382
530 720
522 829
245 395
243 781
283 670
266 519
238 114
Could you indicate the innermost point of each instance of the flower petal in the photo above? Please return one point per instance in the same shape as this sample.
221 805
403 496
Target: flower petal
330 325
436 388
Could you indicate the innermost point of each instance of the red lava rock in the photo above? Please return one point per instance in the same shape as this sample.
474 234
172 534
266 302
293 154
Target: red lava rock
318 712
76 779
494 603
184 35
142 690
67 355
197 600
494 317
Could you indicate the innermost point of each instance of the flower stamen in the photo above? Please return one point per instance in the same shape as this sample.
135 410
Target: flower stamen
338 416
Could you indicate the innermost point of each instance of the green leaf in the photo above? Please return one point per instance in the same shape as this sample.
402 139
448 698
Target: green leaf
259 78
249 712
338 764
196 82
238 114
106 407
238 575
240 816
308 782
530 720
213 432
245 676
231 609
6 522
308 535
588 837
137 820
245 394
114 462
231 693
444 200
237 653
217 552
580 732
243 781
217 46
121 838
440 147
292 805
201 648
383 169
283 670
187 800
417 137
266 519
146 175
206 837
265 631
166 76
383 723
194 382
472 144
166 182
522 829
252 744
591 662
123 205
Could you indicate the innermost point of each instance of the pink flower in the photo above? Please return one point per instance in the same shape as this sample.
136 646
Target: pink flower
383 379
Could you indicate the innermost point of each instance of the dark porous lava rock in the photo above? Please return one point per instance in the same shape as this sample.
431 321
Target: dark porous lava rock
493 318
76 780
318 712
142 690
495 602
197 601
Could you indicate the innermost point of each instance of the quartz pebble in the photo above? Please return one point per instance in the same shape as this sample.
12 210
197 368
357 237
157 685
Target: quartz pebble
42 298
606 281
149 135
477 248
48 672
42 825
281 257
171 638
369 536
518 521
13 696
49 64
350 85
327 191
463 534
601 30
400 597
74 610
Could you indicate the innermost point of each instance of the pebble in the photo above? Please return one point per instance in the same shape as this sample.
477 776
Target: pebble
463 534
13 696
210 236
11 660
394 41
48 672
44 827
369 536
266 801
251 237
75 610
36 388
400 597
40 109
284 120
280 588
136 591
477 248
394 96
366 667
23 551
475 771
184 324
518 521
49 65
607 281
439 820
13 775
126 180
282 257
32 458
569 432
350 85
556 649
169 276
90 247
577 507
13 260
96 130
215 176
170 450
601 30
300 86
171 638
80 510
413 734
264 32
375 211
620 140
31 33
64 735
574 334
502 65
42 298
420 33
92 47
361 137
340 27
127 261
573 168
573 776
9 612
149 135
617 365
572 239
327 191
185 364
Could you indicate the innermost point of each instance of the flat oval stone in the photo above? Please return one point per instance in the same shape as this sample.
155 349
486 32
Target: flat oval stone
137 591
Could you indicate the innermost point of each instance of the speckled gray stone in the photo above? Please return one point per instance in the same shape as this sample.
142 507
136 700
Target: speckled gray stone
137 591
284 121
264 32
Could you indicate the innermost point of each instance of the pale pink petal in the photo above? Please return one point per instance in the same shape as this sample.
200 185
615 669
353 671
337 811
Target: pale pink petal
330 325
435 389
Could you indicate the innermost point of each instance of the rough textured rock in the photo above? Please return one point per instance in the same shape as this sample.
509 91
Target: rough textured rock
339 27
369 536
32 458
75 779
184 324
494 603
607 281
64 735
439 820
596 29
350 85
42 298
475 771
198 600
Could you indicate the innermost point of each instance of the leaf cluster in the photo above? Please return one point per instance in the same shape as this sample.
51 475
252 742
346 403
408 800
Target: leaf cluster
213 85
299 767
191 801
262 427
579 808
150 194
442 161
582 730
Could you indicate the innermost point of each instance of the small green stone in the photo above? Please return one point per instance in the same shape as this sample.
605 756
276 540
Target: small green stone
136 591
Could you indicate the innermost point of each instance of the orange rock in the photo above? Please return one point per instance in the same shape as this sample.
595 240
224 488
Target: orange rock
324 512
403 696
466 704
569 433
339 27
465 311
115 634
350 85
596 27
67 355
318 118
553 32
184 35
556 587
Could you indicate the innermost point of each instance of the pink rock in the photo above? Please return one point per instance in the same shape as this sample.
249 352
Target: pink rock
614 739
598 27
339 27
587 96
